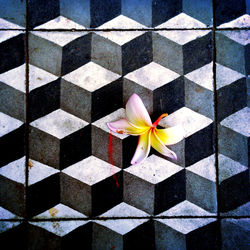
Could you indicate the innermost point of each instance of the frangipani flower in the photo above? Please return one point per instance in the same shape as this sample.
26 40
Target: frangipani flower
138 122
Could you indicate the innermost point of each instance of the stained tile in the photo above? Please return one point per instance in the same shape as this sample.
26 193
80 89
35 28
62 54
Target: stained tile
43 189
60 211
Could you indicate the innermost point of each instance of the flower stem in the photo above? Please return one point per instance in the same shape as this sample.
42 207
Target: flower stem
110 154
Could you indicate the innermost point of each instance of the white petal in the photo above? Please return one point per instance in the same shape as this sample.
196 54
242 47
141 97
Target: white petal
142 149
171 135
122 126
158 145
136 112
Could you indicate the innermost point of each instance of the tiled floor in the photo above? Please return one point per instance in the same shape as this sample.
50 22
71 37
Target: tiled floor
69 66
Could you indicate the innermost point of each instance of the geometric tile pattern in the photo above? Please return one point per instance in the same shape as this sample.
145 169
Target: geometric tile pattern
67 68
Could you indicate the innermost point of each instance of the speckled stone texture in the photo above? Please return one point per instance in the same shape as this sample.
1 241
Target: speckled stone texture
67 68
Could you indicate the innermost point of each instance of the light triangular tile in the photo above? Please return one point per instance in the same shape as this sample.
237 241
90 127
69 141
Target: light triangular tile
15 171
39 171
202 76
226 76
185 208
60 211
182 21
60 22
240 22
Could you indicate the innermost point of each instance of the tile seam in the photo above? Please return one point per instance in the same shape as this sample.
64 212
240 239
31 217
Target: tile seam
216 126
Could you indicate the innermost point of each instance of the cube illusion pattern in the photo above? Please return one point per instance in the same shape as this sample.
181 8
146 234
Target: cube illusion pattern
67 68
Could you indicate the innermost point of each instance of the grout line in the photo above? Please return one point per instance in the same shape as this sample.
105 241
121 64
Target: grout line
26 114
114 29
13 220
144 29
2 29
233 28
26 120
123 217
128 218
216 129
125 29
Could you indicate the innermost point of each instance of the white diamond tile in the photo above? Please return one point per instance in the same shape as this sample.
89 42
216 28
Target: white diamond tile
8 124
7 225
240 22
154 169
15 78
59 38
124 210
122 226
122 22
4 24
191 121
59 123
15 170
120 37
229 168
91 76
205 168
59 228
60 211
239 122
182 21
226 76
186 226
239 36
39 171
183 36
39 77
185 208
102 123
60 22
7 215
202 76
91 170
6 35
152 76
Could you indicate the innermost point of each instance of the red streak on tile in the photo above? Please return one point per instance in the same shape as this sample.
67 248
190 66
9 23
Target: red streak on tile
110 154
